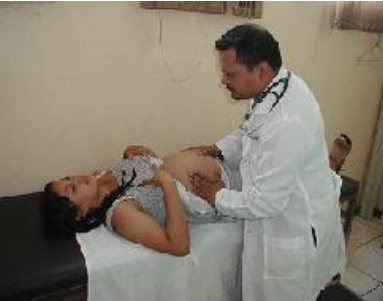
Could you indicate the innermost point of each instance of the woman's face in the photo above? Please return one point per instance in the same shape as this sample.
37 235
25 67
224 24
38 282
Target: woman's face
83 191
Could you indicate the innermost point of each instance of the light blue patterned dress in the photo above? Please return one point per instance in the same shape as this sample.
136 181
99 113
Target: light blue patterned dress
151 199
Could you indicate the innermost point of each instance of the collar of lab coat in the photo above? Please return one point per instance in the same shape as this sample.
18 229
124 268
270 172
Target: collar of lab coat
261 110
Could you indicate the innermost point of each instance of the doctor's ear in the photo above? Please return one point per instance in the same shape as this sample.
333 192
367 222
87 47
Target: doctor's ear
264 71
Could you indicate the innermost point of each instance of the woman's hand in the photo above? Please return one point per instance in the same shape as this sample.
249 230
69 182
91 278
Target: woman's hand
137 150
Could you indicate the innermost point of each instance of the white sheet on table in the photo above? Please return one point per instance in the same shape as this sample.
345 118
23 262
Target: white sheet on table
121 270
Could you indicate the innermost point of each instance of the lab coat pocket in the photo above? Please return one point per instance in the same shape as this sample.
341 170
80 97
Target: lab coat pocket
284 257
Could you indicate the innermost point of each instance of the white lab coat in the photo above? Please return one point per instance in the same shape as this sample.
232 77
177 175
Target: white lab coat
287 191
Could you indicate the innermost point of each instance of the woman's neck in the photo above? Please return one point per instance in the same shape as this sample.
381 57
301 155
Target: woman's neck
107 184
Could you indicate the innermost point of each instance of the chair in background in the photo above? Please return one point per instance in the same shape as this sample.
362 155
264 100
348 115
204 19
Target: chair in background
339 151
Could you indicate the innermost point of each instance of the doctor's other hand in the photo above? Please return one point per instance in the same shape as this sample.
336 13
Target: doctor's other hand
206 187
137 150
205 150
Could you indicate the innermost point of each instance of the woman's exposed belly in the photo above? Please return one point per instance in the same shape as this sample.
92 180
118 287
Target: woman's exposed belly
183 163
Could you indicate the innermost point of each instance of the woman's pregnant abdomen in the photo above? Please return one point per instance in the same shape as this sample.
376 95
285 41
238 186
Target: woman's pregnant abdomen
183 163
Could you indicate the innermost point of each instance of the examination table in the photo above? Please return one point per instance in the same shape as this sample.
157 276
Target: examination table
33 265
36 266
104 266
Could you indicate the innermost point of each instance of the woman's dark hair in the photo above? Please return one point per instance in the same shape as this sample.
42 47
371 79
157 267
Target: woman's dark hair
61 215
252 44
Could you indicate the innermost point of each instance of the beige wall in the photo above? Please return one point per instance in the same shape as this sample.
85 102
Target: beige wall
379 202
79 81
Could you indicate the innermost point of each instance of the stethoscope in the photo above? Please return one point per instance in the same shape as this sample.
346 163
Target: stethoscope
283 81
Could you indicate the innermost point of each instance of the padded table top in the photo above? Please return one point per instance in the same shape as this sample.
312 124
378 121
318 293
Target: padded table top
32 263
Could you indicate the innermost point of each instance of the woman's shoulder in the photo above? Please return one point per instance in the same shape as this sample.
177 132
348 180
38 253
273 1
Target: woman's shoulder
121 209
127 203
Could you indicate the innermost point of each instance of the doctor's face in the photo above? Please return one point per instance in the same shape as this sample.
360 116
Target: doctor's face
238 79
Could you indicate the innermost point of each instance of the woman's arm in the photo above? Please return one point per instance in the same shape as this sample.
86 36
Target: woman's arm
137 226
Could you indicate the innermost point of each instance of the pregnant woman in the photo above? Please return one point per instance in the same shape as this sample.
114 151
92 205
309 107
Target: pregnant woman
145 199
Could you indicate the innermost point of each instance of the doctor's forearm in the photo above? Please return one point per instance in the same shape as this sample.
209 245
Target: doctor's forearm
231 147
248 204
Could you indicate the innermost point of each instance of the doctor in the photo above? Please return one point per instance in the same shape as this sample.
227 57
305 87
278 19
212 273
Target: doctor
293 239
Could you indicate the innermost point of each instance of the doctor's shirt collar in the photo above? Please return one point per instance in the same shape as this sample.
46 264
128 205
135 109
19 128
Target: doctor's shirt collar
265 100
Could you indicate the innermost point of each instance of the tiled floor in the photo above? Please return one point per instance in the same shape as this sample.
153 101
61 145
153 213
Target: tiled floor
364 271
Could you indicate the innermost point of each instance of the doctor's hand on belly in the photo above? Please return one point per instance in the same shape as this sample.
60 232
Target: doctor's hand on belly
199 174
206 187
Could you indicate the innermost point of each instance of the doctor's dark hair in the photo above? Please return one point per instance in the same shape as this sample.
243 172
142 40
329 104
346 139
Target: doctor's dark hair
252 45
